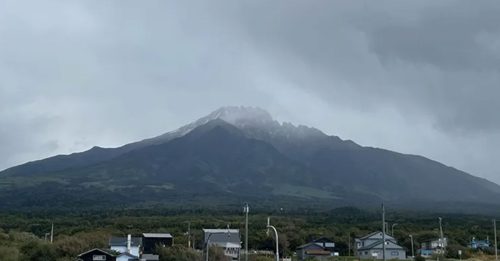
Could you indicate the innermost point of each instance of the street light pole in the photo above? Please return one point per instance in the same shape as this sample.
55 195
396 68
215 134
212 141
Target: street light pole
208 245
208 240
246 209
276 235
412 251
392 228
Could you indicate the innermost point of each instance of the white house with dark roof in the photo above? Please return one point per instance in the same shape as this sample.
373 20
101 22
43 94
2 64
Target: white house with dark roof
228 239
371 247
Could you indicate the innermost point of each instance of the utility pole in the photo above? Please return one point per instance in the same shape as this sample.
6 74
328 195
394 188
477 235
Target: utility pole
246 209
349 245
441 235
52 234
412 251
383 232
189 234
495 235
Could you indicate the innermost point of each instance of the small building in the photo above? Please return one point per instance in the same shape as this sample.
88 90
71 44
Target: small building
129 244
227 239
480 244
371 247
151 240
97 254
321 248
433 247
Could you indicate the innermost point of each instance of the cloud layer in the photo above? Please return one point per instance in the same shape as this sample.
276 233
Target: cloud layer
417 77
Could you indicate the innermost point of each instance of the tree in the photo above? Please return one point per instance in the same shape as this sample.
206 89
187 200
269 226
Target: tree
38 251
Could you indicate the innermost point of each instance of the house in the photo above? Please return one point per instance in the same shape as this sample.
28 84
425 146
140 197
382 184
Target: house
371 247
151 240
227 239
97 254
320 248
129 244
480 244
326 243
433 247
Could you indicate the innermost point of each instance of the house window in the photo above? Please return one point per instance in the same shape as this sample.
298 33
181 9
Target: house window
366 252
98 257
394 253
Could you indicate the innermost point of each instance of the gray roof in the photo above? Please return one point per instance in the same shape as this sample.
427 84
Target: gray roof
150 257
104 251
376 234
127 254
311 244
157 235
390 245
122 241
223 236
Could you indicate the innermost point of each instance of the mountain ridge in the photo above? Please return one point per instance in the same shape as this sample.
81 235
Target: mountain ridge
240 153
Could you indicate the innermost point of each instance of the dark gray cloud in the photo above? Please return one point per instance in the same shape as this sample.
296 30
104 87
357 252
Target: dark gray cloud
418 77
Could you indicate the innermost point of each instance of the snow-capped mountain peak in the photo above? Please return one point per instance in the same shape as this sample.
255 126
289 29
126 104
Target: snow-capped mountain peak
241 115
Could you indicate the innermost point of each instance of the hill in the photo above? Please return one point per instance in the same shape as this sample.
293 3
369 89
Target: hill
239 154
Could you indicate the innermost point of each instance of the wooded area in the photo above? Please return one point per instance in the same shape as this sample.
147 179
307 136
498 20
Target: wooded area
22 235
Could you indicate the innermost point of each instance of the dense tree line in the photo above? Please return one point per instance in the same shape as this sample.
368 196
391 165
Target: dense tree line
22 235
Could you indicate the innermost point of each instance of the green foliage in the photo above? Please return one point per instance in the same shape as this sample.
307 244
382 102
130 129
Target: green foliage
260 258
38 251
9 253
452 251
78 232
217 254
178 253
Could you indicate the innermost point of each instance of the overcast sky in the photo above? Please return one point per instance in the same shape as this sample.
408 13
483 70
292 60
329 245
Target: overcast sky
419 77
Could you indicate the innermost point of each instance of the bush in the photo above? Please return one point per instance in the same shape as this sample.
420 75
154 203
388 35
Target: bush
419 258
177 253
260 258
9 253
38 251
452 252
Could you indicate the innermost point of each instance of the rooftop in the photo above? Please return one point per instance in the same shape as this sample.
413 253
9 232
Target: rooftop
157 235
224 230
122 241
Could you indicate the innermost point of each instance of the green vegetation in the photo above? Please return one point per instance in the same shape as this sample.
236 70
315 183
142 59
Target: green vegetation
22 234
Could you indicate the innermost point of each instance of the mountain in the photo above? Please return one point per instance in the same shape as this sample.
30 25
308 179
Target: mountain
238 154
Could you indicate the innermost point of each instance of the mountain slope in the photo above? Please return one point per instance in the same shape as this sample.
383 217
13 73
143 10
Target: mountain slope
240 154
